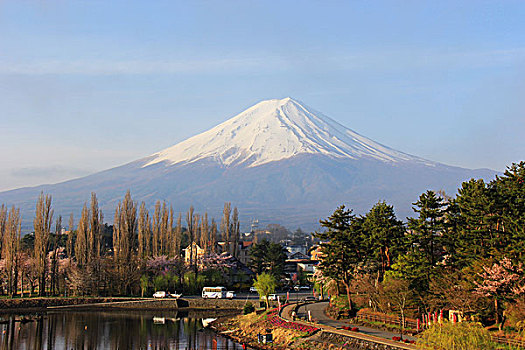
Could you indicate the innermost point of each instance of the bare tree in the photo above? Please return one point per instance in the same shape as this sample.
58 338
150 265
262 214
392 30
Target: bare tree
11 247
3 220
94 231
69 244
235 232
178 236
156 229
171 235
42 226
191 231
205 233
213 237
164 230
226 227
124 229
144 232
54 258
81 244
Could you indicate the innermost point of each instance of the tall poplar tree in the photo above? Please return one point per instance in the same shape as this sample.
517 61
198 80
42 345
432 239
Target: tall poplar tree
205 233
235 232
54 257
226 226
3 221
124 231
144 232
156 229
81 243
42 227
69 245
213 236
11 247
191 231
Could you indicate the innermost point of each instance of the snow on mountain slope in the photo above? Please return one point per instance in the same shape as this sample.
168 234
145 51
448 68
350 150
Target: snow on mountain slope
274 130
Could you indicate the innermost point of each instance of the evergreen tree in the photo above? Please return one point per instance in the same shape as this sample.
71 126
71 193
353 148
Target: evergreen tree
510 207
342 247
384 236
427 229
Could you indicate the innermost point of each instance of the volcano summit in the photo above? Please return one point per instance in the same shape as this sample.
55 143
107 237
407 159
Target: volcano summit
278 161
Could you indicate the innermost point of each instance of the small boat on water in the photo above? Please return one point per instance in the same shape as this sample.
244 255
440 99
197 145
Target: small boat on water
159 320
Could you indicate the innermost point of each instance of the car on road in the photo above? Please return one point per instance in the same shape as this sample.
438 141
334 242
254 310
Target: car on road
230 294
253 290
298 288
160 294
309 298
272 297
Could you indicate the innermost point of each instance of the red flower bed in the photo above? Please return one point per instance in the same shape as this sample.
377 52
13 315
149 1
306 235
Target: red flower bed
276 321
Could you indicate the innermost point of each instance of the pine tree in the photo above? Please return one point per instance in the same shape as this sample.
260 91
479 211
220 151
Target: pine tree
384 235
427 229
343 247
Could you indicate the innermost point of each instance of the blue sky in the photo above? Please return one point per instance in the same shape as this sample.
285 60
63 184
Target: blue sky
89 85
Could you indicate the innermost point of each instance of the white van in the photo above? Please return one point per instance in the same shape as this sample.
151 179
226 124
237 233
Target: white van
214 292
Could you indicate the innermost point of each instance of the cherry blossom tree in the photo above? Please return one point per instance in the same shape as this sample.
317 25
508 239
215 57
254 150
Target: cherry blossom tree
503 281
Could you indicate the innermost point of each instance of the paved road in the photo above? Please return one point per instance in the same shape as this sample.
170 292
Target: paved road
294 296
317 312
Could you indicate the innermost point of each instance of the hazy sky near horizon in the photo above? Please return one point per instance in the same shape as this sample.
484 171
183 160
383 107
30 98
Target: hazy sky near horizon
89 85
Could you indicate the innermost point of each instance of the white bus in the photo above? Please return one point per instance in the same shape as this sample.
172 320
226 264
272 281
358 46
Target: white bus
214 292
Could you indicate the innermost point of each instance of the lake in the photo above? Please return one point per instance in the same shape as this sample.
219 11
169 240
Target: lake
109 330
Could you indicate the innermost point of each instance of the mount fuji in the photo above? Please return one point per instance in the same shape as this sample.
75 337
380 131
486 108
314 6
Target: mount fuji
279 161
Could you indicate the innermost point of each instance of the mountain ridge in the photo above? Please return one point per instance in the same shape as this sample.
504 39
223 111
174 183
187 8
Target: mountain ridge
273 130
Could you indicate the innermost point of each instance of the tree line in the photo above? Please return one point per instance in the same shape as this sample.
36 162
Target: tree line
96 259
464 253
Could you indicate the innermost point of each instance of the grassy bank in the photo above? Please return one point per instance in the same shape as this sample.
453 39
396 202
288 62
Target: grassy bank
286 335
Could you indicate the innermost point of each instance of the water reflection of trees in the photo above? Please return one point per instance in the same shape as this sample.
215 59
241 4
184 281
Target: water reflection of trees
107 330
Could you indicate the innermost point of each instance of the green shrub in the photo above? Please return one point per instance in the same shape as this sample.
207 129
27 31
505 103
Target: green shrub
248 308
459 336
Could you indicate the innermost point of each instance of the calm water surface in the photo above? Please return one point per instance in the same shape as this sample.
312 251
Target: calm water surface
109 330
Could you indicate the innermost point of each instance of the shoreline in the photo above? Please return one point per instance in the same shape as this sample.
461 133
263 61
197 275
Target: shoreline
50 304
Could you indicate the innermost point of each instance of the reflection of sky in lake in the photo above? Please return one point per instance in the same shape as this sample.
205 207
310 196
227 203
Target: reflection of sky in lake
109 330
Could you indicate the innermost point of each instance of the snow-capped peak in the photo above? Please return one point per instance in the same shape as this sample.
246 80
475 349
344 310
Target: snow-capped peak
273 130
